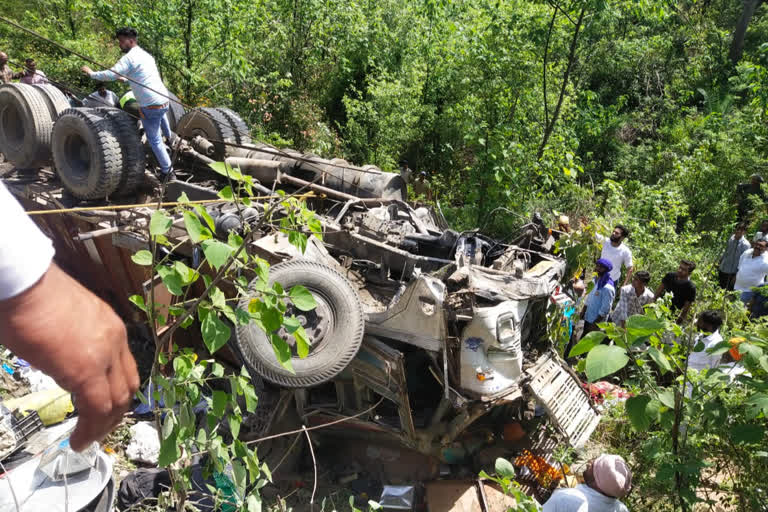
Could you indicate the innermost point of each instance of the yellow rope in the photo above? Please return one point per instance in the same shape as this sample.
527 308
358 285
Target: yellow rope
151 205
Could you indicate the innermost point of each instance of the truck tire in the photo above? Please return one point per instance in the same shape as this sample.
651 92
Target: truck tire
25 126
175 111
126 131
334 328
242 132
87 153
209 124
54 98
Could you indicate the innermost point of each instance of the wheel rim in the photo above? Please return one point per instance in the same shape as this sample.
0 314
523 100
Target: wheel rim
13 126
77 155
319 324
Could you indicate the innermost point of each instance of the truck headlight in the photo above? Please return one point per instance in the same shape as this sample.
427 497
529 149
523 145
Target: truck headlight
506 329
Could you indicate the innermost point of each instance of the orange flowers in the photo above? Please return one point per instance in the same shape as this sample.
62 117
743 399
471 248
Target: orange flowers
545 474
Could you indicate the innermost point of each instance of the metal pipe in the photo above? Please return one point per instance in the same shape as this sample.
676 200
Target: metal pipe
81 237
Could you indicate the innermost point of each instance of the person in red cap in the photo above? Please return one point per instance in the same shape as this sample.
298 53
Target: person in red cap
607 479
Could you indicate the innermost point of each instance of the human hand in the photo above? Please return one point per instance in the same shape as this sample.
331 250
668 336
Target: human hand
86 70
122 79
72 335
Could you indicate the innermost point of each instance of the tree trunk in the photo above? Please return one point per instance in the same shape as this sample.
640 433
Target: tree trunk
566 76
737 45
188 50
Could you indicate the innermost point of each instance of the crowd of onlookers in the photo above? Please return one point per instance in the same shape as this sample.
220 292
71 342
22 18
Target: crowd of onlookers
29 75
743 267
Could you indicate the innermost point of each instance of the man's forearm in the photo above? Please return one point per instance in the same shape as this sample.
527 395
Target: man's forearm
628 279
103 76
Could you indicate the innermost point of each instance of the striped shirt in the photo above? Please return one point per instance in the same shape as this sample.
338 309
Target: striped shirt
733 251
141 70
630 304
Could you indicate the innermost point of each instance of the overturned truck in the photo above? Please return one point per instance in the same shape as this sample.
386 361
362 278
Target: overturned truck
429 338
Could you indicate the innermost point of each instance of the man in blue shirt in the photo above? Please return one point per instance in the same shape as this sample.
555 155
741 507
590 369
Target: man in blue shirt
600 299
139 68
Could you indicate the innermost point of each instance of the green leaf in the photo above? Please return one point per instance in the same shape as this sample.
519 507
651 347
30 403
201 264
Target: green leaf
160 223
143 258
226 170
195 229
217 253
251 400
170 451
504 468
661 360
226 193
587 343
217 370
183 198
182 365
302 342
760 401
217 297
234 425
187 275
639 326
215 332
282 352
636 407
202 212
604 360
747 434
171 279
219 403
138 301
302 298
253 503
667 397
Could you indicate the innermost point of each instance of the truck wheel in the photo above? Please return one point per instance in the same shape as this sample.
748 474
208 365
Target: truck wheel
87 153
175 111
239 127
54 98
209 124
126 131
334 328
25 126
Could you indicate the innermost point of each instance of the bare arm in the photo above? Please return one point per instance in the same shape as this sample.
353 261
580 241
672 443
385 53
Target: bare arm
684 312
628 279
659 291
69 333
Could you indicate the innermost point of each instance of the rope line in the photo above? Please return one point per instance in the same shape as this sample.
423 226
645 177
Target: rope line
153 204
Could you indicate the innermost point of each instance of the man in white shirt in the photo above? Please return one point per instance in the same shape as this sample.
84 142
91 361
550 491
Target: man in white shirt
140 70
709 323
101 97
762 233
617 253
632 298
606 480
753 267
49 319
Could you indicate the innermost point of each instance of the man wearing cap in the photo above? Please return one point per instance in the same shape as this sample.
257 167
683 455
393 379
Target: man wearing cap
139 68
600 299
607 479
421 186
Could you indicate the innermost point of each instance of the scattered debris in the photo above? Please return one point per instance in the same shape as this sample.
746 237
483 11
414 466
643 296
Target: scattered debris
144 446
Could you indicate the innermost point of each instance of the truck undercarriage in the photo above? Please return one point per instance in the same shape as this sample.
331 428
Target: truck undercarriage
452 344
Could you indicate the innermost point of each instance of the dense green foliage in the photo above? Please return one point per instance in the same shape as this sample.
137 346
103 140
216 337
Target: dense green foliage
473 92
634 111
